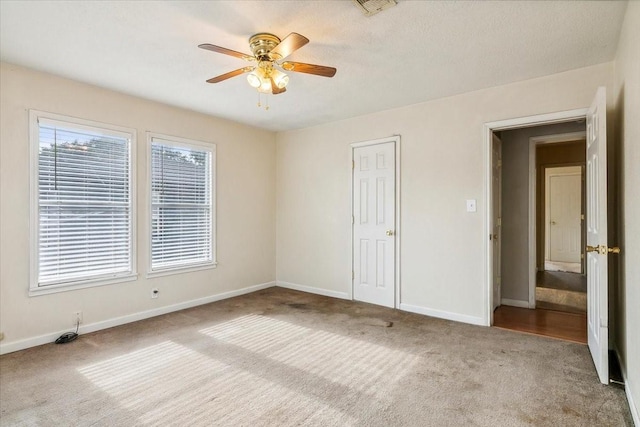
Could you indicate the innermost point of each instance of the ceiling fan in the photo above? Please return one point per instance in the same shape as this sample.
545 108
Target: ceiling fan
268 55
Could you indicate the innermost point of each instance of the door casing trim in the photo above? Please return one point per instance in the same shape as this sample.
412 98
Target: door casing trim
488 129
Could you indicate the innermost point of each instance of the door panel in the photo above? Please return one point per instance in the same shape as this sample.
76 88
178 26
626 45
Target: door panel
374 224
564 206
597 274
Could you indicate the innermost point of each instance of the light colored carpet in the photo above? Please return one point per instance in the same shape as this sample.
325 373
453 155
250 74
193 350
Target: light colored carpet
285 358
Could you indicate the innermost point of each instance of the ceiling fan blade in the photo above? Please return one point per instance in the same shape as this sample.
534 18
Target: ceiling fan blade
230 74
288 45
318 70
275 89
218 49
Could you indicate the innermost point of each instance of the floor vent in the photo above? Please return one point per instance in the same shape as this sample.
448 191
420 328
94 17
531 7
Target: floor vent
371 7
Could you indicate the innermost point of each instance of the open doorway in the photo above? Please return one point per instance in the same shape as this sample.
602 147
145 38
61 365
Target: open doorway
542 281
597 249
561 282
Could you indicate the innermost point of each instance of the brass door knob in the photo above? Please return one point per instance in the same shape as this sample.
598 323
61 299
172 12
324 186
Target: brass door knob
602 249
389 232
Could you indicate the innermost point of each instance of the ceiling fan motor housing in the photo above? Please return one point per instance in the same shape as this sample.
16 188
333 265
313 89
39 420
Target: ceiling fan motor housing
262 43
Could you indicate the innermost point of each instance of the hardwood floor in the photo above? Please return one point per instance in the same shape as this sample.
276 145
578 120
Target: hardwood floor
550 323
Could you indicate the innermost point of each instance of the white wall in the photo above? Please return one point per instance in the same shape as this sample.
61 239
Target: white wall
442 245
245 208
627 100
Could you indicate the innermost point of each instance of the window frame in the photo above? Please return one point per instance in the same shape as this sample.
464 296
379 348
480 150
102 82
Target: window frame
35 288
184 143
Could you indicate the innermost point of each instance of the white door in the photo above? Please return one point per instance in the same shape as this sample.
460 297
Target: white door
597 308
374 195
496 235
563 210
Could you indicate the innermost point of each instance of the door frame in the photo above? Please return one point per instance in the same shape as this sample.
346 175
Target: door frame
534 142
488 129
496 221
395 139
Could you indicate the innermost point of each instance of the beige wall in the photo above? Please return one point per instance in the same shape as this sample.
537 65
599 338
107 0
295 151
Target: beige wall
245 207
627 101
442 163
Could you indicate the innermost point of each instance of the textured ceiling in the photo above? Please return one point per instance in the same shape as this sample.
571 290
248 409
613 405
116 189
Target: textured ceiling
413 52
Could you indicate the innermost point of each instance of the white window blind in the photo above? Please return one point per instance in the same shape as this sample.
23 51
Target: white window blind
84 206
181 205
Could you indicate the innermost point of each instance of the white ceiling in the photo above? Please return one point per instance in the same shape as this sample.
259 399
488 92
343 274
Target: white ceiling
413 52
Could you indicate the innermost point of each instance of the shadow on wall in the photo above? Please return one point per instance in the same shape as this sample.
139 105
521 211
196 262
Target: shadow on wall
617 292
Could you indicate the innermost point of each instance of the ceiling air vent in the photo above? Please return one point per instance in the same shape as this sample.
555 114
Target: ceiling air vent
371 7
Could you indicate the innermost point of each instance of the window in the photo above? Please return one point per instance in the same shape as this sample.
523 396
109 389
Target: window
82 209
182 204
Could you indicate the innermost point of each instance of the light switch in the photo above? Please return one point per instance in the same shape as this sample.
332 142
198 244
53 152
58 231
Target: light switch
471 205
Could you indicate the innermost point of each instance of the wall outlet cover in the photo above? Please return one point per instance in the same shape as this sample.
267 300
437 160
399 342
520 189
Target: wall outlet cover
471 205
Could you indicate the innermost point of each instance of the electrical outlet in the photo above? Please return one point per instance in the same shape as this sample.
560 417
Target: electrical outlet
77 317
154 293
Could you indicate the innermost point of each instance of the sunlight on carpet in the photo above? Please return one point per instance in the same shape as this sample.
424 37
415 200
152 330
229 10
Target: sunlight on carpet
165 384
354 363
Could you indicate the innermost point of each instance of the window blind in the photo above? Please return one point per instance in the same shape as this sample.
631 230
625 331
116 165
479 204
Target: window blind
84 203
181 205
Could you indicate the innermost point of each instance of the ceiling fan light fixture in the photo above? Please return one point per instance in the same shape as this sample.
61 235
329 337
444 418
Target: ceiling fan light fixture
281 79
265 87
268 74
254 79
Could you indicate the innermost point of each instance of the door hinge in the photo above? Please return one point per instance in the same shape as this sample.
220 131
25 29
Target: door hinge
582 217
353 275
353 219
353 164
499 222
500 163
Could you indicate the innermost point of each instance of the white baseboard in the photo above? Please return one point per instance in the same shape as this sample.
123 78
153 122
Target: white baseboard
10 347
312 290
635 413
406 307
514 303
444 314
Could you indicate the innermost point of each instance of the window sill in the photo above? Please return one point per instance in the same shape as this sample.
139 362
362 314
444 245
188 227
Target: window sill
52 289
179 270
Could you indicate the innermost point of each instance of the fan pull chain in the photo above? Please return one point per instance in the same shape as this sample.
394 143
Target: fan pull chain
266 107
